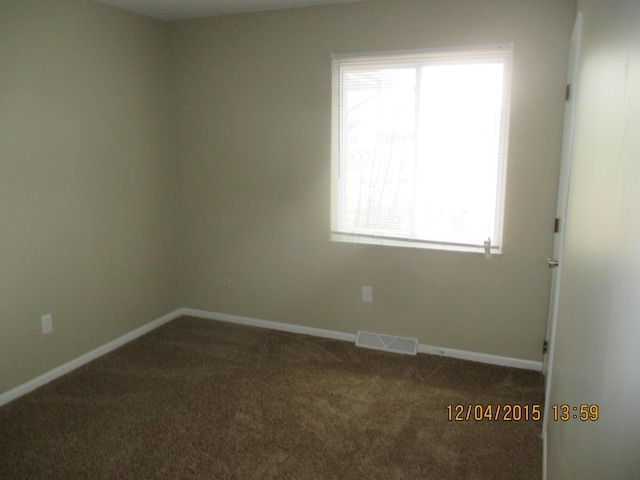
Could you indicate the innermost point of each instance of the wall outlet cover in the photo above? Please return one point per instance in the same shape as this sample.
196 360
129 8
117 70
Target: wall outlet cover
47 323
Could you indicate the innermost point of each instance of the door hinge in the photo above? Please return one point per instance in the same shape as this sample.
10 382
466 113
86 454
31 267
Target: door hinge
556 226
545 344
567 93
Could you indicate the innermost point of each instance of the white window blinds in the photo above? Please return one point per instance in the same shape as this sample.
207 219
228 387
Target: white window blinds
419 147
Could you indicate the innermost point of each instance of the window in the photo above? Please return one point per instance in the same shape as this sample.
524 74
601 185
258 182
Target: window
419 148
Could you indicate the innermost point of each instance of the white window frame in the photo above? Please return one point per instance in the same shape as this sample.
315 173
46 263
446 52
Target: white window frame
464 55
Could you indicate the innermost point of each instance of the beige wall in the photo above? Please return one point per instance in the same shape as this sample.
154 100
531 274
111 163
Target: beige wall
89 209
87 181
253 116
597 344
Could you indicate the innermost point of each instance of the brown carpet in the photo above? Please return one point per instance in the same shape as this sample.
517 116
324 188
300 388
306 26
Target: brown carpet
198 399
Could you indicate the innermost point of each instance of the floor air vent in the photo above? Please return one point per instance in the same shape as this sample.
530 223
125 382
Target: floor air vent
388 343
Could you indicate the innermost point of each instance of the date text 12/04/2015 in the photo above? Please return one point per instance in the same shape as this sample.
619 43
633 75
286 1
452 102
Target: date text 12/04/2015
518 412
494 412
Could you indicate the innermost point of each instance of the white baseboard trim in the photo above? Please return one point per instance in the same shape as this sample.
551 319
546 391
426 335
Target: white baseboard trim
284 327
481 357
84 359
254 322
350 337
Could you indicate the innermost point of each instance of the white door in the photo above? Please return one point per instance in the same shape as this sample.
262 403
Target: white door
555 263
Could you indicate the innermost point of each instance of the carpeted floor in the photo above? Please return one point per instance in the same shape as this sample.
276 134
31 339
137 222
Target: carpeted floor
198 399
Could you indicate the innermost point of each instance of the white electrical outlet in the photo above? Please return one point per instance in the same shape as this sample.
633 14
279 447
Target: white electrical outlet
367 294
47 323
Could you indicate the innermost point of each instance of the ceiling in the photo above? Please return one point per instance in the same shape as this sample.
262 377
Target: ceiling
183 9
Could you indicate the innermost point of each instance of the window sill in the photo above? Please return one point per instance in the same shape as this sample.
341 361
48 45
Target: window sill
405 243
